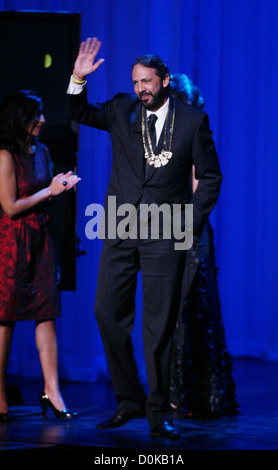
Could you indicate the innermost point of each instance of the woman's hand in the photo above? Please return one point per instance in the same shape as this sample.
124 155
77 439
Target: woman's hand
63 182
14 206
85 61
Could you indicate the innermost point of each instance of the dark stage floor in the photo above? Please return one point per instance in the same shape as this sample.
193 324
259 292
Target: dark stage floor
254 428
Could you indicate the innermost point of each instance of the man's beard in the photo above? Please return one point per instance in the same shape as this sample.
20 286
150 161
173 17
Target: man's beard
156 102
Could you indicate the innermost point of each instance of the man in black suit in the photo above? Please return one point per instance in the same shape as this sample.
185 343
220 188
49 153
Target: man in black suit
145 173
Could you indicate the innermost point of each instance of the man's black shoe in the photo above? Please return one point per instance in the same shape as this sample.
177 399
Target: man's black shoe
166 430
120 418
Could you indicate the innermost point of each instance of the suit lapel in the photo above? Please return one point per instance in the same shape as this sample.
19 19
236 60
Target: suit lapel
134 116
136 156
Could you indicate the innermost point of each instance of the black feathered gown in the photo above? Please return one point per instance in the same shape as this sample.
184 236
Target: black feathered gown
201 369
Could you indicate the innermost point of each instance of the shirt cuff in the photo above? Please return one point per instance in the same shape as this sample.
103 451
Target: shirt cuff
75 88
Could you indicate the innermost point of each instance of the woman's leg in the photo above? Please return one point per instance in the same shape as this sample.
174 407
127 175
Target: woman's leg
47 347
6 333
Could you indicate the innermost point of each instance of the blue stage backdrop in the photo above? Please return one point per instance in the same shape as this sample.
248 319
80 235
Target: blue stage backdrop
229 48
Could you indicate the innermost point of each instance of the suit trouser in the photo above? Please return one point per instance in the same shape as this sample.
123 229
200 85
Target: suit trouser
161 268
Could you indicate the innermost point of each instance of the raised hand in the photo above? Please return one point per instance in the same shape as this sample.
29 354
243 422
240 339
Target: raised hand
85 61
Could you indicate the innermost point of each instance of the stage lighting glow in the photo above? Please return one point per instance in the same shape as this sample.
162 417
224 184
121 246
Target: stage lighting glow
47 61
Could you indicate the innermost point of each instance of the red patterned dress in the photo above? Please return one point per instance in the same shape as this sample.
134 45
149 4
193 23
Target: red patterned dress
28 286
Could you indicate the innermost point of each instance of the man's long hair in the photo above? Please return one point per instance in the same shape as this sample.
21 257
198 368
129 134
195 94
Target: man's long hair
153 62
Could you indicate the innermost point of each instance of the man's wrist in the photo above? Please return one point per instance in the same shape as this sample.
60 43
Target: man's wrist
78 79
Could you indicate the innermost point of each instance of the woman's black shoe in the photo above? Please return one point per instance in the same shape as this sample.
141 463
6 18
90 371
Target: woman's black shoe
45 402
166 430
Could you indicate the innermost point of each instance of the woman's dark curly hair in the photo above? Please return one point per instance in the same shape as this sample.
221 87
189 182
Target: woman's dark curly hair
16 114
185 90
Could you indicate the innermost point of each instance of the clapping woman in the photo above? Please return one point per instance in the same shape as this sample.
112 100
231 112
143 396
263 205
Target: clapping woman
28 287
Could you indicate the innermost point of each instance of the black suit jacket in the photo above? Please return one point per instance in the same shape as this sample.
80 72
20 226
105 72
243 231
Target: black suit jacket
192 144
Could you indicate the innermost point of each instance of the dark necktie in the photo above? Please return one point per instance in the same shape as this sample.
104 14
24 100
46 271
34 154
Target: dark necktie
151 126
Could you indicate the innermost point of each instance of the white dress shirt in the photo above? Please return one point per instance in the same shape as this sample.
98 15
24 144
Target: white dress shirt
161 115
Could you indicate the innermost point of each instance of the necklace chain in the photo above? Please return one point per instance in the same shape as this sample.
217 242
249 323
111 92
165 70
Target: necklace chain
165 155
